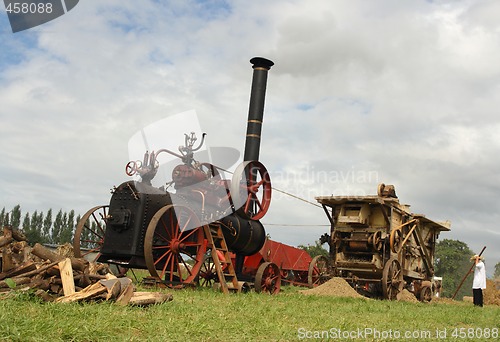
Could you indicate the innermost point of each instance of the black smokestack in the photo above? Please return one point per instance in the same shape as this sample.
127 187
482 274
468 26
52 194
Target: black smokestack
260 67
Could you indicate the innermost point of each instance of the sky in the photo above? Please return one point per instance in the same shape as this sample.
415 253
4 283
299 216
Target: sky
361 93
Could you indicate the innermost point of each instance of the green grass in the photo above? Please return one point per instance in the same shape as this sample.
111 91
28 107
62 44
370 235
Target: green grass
206 315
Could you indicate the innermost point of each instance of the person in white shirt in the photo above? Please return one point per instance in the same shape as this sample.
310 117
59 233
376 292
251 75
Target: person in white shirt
479 282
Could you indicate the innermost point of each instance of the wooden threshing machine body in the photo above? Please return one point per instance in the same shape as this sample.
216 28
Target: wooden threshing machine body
379 246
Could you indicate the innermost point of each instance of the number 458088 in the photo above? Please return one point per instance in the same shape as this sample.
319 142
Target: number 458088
27 7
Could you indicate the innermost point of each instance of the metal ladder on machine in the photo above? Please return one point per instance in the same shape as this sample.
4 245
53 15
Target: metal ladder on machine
224 268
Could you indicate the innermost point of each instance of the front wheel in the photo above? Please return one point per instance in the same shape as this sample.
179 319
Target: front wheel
268 278
175 245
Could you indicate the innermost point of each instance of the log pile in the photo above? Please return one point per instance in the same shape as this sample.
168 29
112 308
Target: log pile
63 278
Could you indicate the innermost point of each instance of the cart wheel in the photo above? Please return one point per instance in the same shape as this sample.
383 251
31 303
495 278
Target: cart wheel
251 190
395 240
425 294
318 271
89 233
175 244
392 279
207 276
268 278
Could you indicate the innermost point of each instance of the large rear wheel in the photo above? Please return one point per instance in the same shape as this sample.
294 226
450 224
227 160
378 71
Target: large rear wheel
90 232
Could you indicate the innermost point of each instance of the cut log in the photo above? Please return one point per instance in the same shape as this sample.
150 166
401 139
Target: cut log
4 241
7 262
18 236
39 270
44 295
7 231
14 233
20 270
148 298
17 282
45 254
67 277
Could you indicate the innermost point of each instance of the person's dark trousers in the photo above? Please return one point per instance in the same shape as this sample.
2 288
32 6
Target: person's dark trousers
478 297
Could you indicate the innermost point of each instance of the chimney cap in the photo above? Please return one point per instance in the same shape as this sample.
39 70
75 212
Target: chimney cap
260 62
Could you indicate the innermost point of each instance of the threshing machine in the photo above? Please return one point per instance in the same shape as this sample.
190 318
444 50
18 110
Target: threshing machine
379 246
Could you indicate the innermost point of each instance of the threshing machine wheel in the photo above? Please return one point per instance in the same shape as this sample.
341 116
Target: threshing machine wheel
318 271
425 294
377 241
89 233
268 278
175 244
251 189
392 279
395 240
207 276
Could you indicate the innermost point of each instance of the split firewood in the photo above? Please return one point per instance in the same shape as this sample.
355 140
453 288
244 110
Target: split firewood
126 294
66 271
113 287
88 292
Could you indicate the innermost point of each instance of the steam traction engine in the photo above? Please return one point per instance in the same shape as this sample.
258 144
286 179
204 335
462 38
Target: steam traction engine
177 235
379 246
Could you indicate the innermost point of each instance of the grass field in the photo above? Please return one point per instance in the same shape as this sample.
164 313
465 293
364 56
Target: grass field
206 315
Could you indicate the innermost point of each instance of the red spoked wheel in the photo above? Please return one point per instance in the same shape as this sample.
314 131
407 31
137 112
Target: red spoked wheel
207 276
90 232
175 245
318 271
251 190
268 278
131 168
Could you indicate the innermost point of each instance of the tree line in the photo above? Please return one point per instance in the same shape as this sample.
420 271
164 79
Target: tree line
42 227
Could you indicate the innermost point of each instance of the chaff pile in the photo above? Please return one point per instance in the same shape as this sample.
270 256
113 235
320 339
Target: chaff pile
61 277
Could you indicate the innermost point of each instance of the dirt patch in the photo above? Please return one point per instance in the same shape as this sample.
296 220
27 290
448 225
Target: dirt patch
334 287
407 296
444 300
468 299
